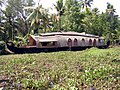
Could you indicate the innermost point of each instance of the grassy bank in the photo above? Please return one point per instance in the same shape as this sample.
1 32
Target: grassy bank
81 70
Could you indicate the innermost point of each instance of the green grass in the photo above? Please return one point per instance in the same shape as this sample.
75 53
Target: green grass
81 70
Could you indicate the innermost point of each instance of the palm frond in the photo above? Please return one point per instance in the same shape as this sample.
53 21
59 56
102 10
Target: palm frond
30 15
56 7
29 7
1 29
33 21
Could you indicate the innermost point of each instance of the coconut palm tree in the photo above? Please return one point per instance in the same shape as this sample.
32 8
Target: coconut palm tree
110 9
86 4
95 11
59 6
38 17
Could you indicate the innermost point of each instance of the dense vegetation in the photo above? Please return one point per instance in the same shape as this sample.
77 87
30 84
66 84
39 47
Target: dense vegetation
19 18
90 69
81 70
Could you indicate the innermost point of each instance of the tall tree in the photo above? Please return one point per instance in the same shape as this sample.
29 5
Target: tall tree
59 6
87 21
110 9
1 17
86 4
10 14
16 18
72 19
37 17
112 20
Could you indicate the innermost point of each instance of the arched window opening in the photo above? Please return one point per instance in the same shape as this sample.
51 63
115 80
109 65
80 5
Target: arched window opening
75 42
90 42
69 42
99 40
83 42
94 42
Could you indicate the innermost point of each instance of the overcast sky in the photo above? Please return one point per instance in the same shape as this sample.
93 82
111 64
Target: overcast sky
100 4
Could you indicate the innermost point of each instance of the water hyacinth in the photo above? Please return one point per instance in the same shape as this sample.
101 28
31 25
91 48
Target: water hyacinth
81 70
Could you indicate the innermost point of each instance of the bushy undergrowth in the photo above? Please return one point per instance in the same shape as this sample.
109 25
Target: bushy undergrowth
89 69
2 47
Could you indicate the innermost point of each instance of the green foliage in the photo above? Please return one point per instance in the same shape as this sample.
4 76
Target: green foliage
21 17
13 18
98 68
59 6
37 17
86 4
2 47
72 19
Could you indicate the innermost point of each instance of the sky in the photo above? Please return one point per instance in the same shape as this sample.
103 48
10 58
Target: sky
100 4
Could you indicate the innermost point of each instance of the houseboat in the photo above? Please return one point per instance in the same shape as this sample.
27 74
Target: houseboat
59 41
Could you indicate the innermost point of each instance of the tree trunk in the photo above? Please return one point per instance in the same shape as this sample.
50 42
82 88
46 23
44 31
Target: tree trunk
60 23
10 29
45 27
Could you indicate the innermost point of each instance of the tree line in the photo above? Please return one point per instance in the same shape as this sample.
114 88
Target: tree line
19 18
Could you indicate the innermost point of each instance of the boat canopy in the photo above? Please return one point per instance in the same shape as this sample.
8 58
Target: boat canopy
70 33
44 39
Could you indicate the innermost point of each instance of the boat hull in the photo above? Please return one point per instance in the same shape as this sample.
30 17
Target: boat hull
18 50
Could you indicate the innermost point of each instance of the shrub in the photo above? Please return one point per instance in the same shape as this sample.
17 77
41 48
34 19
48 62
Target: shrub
2 47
